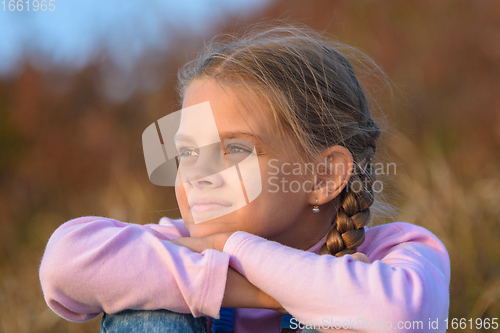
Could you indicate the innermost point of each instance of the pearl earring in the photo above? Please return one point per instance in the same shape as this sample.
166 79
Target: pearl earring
316 208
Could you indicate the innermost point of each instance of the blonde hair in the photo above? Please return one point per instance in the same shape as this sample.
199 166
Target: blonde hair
315 99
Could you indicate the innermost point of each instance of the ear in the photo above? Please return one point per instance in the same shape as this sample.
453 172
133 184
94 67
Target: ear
333 173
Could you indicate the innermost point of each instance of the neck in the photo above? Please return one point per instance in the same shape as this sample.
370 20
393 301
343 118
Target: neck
309 228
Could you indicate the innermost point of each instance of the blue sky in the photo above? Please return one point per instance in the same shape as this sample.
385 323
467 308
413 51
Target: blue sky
71 35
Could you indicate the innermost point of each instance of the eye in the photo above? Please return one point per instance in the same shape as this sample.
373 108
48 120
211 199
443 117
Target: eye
235 149
185 152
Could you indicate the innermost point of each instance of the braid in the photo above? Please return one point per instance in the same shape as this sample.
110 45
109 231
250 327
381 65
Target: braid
348 232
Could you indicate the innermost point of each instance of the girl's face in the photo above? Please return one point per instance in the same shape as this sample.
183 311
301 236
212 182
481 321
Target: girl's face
267 195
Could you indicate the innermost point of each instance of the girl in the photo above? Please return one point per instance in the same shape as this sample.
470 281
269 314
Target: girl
286 237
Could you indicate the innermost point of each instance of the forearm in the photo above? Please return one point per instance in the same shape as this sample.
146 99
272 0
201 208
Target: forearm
240 293
93 265
411 279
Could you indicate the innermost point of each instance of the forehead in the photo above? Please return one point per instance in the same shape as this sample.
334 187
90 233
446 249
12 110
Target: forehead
240 109
232 108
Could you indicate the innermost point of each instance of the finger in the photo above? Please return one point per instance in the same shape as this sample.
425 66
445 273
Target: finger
178 241
358 256
192 243
182 241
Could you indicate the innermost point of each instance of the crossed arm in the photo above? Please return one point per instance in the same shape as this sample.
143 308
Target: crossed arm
93 265
239 292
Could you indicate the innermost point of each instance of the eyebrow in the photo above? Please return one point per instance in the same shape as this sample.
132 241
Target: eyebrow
223 135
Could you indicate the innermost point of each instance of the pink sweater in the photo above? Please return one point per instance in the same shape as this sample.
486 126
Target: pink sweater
93 265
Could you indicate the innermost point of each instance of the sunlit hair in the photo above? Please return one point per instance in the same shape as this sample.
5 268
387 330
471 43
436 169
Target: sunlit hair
316 102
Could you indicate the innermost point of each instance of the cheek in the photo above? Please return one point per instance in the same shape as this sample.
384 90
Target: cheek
283 185
284 196
182 201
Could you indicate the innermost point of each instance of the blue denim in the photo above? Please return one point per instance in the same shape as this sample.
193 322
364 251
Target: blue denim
154 321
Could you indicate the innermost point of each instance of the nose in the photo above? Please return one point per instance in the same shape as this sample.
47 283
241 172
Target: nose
205 173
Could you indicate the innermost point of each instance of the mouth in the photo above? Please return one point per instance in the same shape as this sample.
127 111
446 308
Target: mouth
204 205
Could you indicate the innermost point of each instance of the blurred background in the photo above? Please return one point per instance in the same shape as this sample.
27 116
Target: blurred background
80 83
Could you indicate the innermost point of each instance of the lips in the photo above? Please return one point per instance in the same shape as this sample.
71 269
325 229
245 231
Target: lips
202 205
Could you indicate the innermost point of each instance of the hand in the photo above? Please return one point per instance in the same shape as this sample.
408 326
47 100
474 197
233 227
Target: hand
200 244
358 256
240 293
277 306
195 244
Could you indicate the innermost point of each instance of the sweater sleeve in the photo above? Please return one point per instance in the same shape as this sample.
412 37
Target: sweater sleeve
94 264
407 282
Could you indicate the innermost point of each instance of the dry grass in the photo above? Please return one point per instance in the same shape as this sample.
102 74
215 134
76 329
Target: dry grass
464 214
